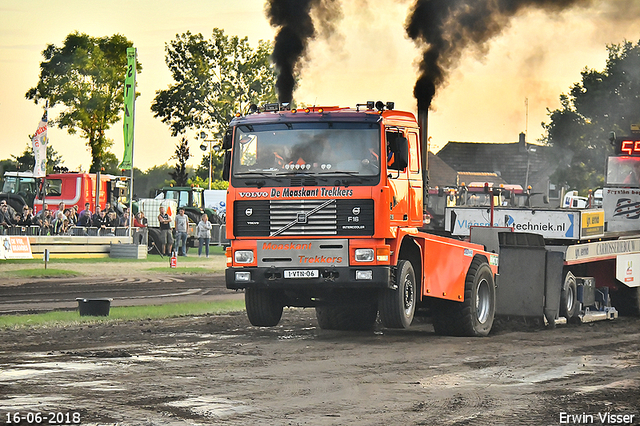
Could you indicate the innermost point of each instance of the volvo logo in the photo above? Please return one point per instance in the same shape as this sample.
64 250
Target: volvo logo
248 212
356 211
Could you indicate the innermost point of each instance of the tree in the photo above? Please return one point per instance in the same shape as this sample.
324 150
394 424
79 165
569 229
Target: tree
86 75
216 167
26 161
180 174
602 102
214 79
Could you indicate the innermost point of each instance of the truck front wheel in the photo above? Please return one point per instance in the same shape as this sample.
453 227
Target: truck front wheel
474 316
397 306
264 307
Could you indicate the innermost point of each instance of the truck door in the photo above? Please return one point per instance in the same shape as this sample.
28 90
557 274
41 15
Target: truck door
398 182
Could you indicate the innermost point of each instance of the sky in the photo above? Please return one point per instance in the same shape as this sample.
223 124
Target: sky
491 96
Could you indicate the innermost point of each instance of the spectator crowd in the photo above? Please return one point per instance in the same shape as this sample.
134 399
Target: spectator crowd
65 219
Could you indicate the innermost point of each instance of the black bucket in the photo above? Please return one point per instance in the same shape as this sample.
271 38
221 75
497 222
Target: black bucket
94 307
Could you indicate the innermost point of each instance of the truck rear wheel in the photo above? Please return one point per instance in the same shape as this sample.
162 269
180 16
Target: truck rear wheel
264 307
397 306
569 296
354 317
474 316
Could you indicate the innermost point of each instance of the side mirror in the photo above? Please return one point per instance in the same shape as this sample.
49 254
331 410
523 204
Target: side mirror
226 165
227 140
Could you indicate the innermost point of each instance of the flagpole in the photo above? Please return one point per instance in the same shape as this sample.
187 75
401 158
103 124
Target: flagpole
135 59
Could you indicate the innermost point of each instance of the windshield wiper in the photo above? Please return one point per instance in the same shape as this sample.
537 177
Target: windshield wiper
254 172
335 172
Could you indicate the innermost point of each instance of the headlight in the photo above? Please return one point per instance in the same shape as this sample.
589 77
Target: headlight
244 256
364 255
364 275
243 276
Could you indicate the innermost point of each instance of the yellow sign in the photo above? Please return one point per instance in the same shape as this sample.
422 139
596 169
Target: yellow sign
592 224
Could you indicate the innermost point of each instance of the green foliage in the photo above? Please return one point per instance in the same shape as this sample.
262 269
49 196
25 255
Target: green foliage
180 174
602 102
146 183
204 183
26 161
214 79
124 313
86 75
216 166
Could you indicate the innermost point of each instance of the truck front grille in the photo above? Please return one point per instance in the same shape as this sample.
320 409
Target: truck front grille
340 217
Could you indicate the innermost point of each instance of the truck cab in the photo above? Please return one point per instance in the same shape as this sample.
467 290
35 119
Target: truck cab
19 189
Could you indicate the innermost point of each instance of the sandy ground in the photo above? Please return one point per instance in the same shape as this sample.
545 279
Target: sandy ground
221 370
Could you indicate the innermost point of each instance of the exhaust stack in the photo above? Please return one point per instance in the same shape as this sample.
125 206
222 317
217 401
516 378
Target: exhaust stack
423 123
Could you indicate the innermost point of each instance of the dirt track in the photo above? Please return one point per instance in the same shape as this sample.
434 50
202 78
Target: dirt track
221 370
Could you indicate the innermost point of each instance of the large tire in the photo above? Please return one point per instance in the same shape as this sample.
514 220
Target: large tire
359 316
474 316
569 296
154 241
193 216
264 308
397 306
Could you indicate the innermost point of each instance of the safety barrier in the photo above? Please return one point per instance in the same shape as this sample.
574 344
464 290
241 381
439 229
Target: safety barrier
73 231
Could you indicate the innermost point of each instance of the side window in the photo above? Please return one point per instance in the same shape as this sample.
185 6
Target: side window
414 157
54 187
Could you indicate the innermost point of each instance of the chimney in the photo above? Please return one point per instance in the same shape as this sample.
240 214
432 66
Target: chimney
522 143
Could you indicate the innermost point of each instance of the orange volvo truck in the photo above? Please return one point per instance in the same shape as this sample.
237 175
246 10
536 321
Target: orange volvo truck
325 210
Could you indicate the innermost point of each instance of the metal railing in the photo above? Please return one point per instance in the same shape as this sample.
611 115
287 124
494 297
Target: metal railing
74 231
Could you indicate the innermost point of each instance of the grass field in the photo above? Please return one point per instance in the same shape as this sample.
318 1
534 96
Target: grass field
74 267
61 318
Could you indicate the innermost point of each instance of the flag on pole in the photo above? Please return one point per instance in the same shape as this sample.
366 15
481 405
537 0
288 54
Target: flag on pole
39 141
129 108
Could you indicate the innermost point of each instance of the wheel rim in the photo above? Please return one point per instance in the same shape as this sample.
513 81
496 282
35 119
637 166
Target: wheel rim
570 298
483 301
408 294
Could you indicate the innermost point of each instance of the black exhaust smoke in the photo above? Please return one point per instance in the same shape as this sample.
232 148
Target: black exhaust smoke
446 28
294 18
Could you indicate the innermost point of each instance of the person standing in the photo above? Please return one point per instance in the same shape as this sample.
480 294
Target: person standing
166 239
182 226
203 232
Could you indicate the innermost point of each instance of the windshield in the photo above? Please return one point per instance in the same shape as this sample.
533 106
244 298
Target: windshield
13 184
623 171
314 148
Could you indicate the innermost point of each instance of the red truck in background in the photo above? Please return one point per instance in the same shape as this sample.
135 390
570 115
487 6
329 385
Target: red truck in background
76 189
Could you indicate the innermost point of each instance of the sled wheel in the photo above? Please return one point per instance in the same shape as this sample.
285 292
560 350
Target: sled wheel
569 296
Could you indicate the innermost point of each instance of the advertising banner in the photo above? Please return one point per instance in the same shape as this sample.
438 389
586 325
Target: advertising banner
15 247
622 209
39 142
129 108
551 224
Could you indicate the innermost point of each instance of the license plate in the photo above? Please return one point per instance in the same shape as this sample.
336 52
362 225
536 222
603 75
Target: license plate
302 273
